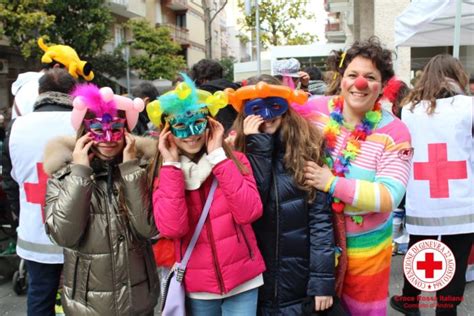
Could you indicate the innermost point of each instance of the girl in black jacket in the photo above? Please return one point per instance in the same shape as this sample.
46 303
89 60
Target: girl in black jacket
295 233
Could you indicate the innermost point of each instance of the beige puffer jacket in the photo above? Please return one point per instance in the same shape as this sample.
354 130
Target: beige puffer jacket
109 267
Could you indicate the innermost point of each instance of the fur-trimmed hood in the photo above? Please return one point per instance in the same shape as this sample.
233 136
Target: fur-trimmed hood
53 98
58 151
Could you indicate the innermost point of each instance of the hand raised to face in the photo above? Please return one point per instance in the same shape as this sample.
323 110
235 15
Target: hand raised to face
167 146
252 124
214 135
130 150
81 155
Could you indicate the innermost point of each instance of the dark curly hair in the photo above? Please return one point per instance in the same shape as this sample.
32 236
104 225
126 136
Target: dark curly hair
206 70
371 49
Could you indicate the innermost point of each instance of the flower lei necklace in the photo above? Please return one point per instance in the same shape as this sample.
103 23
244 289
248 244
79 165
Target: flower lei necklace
340 166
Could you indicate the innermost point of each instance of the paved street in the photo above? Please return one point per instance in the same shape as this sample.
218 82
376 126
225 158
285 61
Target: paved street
13 305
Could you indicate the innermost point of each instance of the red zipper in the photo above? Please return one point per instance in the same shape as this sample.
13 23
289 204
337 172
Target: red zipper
210 236
247 243
214 255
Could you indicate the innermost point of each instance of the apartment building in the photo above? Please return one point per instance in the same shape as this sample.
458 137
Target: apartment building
350 20
184 18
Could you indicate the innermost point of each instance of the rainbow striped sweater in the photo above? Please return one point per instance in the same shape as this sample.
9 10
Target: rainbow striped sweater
373 187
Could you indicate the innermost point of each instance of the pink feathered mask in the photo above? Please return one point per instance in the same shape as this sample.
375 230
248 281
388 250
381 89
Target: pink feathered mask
103 101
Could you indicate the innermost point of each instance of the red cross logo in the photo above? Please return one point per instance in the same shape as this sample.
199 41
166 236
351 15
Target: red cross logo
36 192
438 170
429 265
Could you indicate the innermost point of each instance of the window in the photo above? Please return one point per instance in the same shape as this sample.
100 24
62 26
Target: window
181 20
119 35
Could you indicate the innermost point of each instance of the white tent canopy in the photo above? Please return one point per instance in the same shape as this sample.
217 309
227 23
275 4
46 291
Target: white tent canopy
432 23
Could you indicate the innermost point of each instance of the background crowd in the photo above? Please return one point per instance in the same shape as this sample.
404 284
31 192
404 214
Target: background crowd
303 170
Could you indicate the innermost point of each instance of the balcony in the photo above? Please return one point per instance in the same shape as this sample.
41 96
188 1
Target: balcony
121 8
335 33
179 34
120 2
333 27
177 5
336 5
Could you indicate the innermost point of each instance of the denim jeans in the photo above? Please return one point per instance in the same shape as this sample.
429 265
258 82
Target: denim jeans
43 283
242 304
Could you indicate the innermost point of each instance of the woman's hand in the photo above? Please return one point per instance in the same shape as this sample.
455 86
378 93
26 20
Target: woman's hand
317 176
81 155
322 303
252 124
167 146
130 150
214 135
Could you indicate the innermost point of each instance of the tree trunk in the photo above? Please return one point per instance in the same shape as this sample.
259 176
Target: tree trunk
207 28
208 19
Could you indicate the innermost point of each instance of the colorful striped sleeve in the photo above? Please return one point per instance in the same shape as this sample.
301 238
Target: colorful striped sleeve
385 192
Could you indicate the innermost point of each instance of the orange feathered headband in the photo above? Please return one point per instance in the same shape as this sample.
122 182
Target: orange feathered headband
264 90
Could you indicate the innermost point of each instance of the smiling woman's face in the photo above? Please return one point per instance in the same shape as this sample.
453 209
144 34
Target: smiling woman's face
191 145
361 97
108 150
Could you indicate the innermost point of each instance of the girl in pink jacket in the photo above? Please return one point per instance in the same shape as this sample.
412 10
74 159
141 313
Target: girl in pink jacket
225 268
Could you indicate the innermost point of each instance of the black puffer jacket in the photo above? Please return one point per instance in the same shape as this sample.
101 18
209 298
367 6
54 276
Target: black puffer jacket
295 238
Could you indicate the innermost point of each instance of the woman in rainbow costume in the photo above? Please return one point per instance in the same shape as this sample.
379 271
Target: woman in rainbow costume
368 162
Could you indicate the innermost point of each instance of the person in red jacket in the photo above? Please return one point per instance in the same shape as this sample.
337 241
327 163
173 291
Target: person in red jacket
225 267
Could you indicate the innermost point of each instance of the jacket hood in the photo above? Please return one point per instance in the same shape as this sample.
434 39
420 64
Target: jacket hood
24 78
53 98
217 85
58 151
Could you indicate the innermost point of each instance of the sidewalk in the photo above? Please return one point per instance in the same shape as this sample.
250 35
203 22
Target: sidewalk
13 305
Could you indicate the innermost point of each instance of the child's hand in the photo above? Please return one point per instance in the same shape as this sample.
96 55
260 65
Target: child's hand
80 155
214 135
322 303
252 124
230 139
167 146
130 150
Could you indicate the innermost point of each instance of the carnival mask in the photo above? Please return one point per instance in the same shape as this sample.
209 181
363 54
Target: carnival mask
106 129
188 124
267 108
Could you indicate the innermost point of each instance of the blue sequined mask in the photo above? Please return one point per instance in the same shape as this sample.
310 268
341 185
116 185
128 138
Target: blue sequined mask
267 108
188 124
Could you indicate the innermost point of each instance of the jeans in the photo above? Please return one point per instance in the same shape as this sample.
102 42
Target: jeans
43 283
242 304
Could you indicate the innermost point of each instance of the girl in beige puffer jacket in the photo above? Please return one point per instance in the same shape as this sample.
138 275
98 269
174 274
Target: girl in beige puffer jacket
98 208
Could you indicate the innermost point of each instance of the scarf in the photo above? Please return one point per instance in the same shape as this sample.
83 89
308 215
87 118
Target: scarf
195 173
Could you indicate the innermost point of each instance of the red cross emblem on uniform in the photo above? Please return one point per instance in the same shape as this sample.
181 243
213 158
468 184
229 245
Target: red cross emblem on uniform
438 170
36 192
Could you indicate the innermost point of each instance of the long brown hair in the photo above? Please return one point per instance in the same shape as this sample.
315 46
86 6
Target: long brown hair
157 163
302 140
443 77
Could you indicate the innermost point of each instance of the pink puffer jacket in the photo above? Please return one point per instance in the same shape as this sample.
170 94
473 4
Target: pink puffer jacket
226 253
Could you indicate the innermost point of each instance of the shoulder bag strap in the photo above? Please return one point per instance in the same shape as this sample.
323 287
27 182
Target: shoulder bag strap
200 224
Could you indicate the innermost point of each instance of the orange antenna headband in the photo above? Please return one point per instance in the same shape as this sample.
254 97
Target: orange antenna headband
264 90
